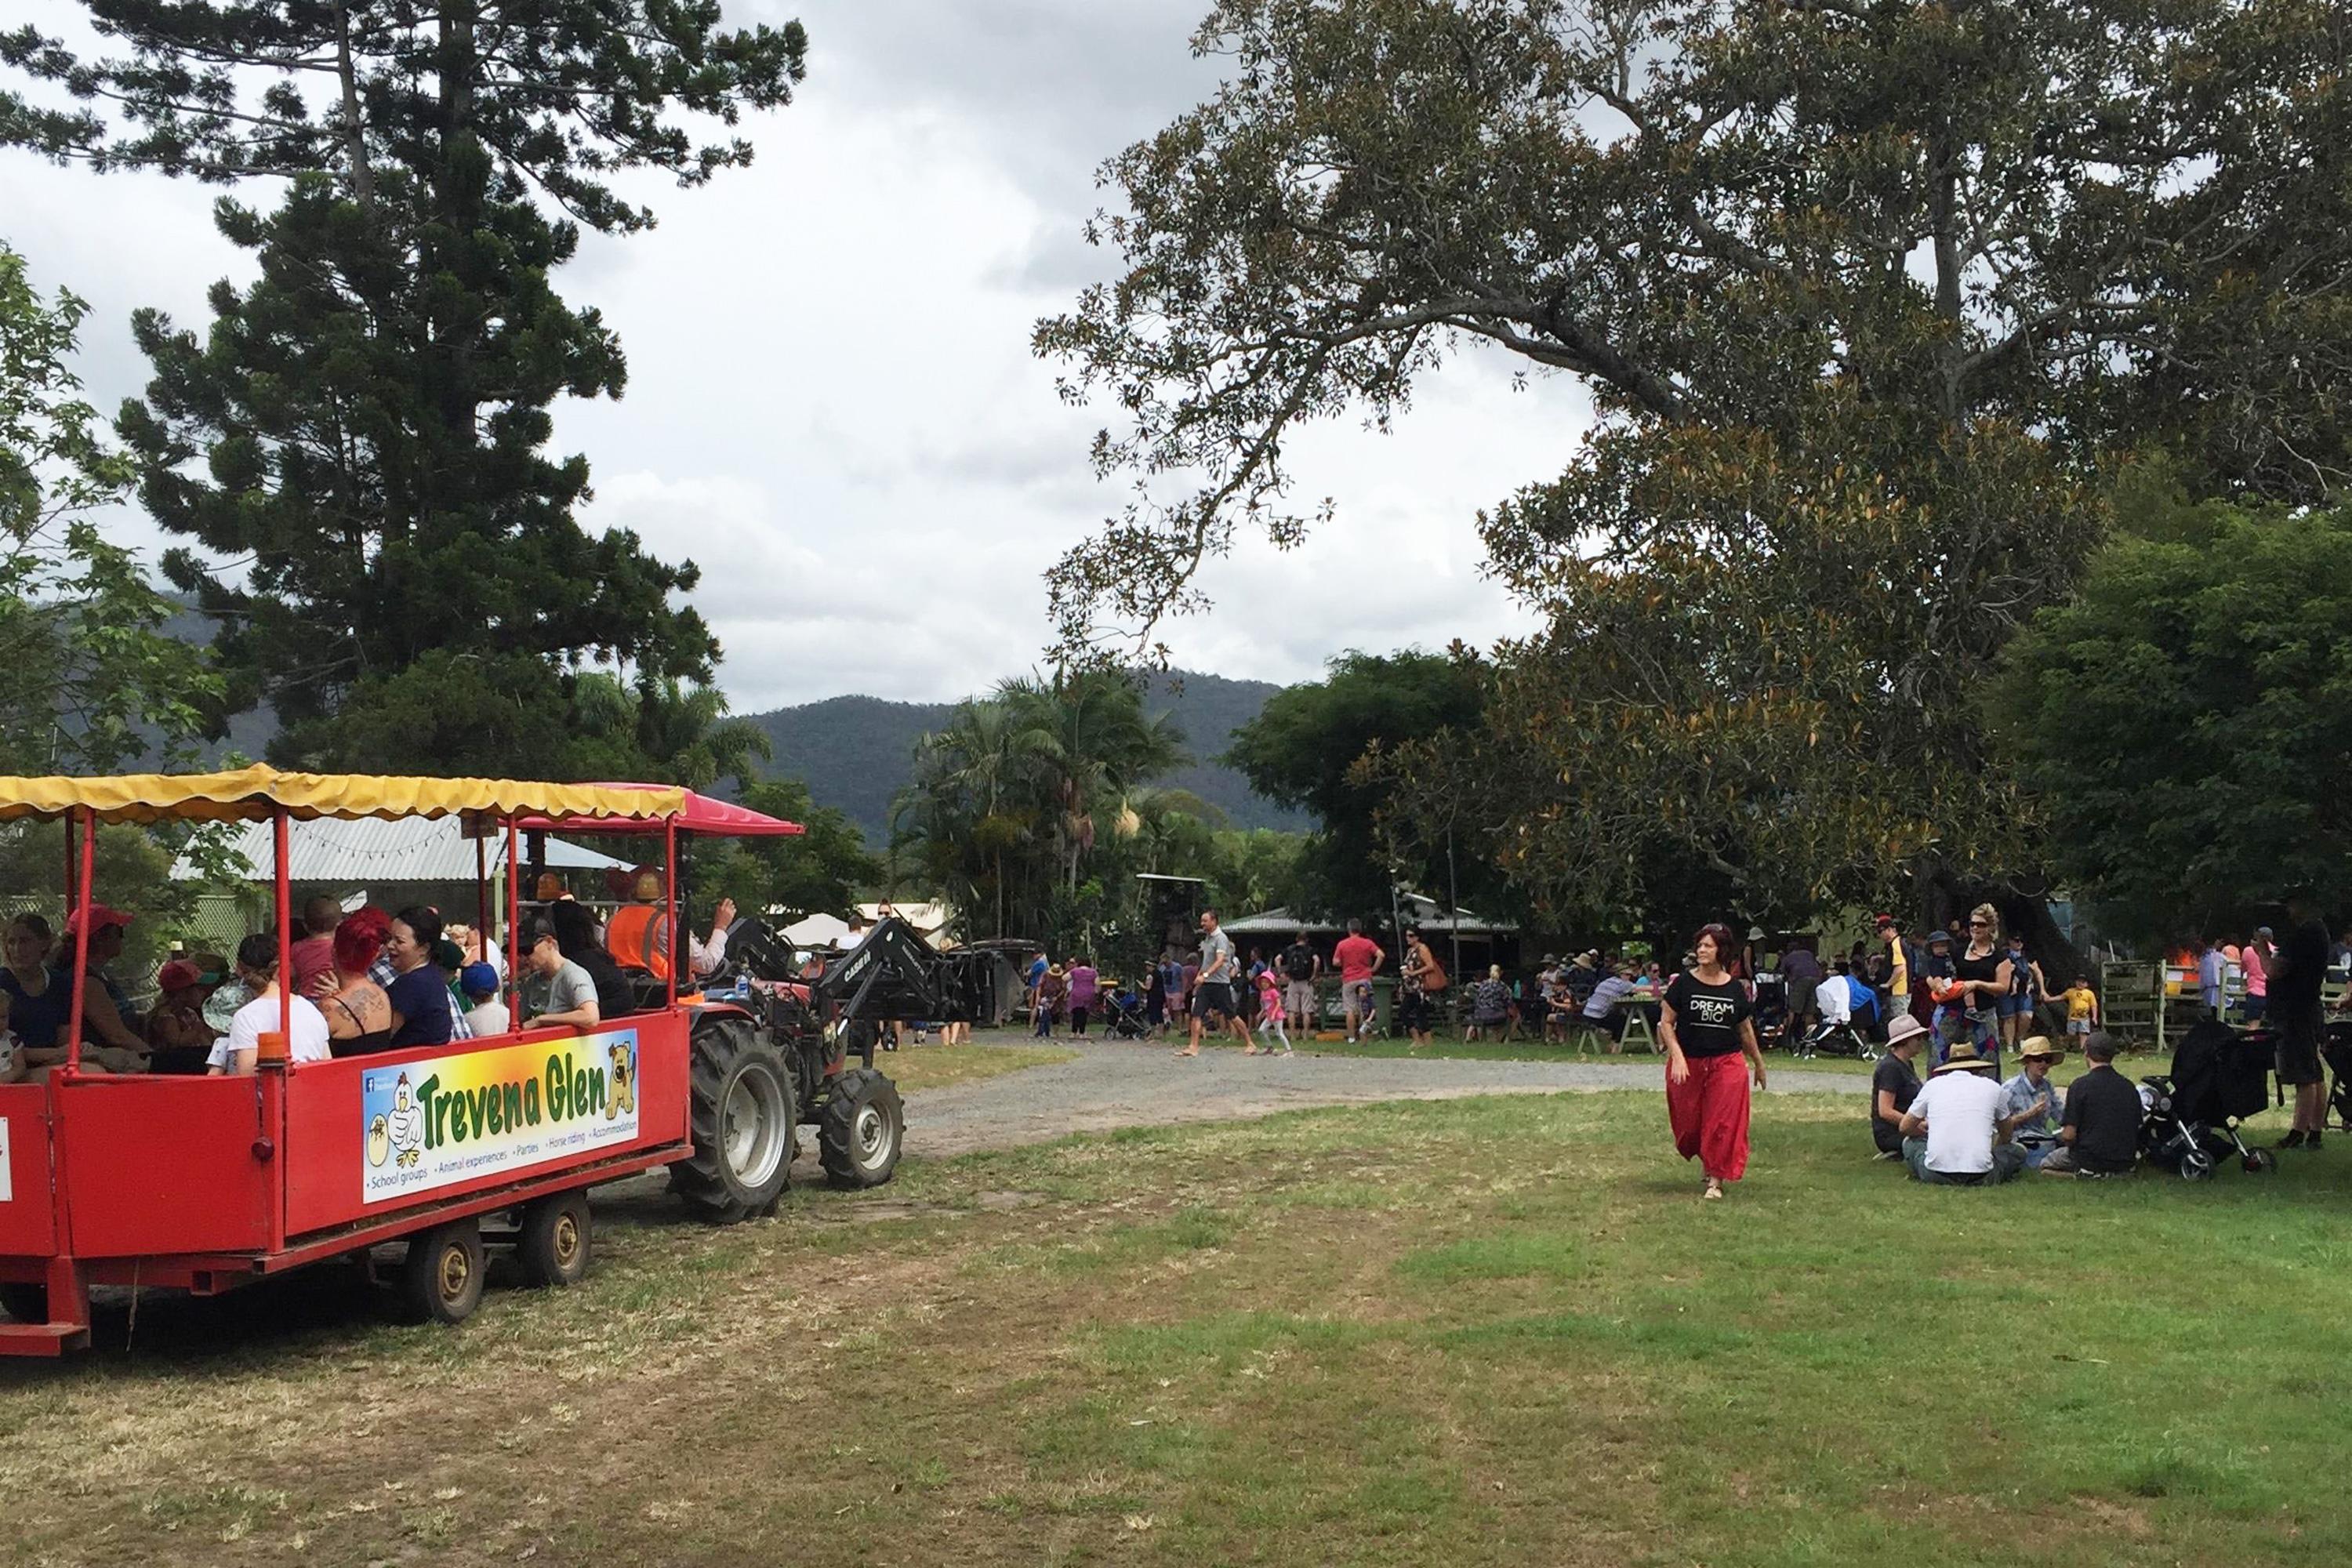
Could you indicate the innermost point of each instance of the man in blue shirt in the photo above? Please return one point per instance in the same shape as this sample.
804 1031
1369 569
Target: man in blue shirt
2029 1102
2211 967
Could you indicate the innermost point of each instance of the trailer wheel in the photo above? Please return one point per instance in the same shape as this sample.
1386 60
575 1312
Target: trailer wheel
551 1245
26 1301
863 1128
743 1121
441 1280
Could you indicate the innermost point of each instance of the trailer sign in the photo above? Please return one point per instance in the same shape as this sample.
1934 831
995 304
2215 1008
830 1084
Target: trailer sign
445 1120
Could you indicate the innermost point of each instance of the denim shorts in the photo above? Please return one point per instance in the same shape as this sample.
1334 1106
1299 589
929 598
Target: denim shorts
2013 1006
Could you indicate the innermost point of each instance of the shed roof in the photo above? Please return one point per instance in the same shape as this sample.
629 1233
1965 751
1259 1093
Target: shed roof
358 852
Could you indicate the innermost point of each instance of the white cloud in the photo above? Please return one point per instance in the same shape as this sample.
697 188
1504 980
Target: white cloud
832 407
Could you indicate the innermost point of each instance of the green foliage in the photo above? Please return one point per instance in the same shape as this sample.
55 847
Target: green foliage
96 682
2185 718
1302 750
1865 297
131 871
354 451
1029 811
819 872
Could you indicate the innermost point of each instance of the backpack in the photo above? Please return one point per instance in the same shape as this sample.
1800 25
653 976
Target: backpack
1298 961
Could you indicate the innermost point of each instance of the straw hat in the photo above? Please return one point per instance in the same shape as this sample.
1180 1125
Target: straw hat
1964 1057
2040 1046
1905 1027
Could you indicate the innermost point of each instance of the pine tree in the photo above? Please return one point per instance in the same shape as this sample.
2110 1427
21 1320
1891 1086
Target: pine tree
355 450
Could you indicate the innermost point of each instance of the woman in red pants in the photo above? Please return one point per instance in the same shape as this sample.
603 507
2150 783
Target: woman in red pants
1706 1022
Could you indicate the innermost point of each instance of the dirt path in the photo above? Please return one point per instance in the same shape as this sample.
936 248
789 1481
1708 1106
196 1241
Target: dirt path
1112 1084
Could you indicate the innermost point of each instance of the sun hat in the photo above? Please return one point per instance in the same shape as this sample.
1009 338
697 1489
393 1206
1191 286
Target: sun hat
1756 933
1963 1059
646 888
2040 1046
1939 934
2263 931
1905 1027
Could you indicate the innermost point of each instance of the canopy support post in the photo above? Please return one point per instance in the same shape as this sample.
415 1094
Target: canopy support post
284 892
514 915
81 989
681 945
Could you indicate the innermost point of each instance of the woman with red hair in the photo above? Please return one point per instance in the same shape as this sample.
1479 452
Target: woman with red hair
1706 1022
359 1013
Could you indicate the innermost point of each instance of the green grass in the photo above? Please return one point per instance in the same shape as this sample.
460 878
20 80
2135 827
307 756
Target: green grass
933 1066
1487 1331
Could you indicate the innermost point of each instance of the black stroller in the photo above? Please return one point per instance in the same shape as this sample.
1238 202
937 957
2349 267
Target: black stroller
2337 1048
2191 1118
1126 1015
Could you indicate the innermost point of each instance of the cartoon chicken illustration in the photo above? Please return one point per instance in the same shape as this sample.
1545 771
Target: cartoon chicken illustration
379 1140
406 1125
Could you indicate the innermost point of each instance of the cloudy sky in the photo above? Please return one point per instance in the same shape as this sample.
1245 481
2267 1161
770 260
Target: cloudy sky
831 406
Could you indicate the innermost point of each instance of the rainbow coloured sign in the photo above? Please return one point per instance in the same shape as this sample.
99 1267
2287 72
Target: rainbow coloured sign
450 1119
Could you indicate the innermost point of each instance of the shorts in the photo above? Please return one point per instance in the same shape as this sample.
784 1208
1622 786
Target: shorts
1802 992
2252 1007
2297 1032
2013 1006
2078 1027
1213 997
1298 996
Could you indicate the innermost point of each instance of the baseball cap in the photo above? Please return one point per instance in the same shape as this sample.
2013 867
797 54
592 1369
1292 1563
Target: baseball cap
178 975
101 917
478 979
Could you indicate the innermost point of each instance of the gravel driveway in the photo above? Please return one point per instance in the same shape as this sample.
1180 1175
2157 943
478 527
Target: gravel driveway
1123 1084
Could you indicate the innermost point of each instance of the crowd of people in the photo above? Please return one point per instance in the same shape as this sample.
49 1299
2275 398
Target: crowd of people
360 981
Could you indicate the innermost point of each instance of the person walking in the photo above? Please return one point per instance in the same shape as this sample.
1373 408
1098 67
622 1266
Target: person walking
1270 1009
1706 1022
1051 988
1359 958
1213 991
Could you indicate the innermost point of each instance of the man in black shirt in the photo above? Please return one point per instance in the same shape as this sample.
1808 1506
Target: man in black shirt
1894 1084
2100 1135
2297 968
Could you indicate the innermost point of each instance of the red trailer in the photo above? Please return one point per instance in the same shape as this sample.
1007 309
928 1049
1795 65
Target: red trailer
205 1183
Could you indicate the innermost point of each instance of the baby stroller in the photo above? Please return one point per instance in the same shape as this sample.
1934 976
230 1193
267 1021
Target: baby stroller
2190 1120
2338 1051
1835 1040
1127 1017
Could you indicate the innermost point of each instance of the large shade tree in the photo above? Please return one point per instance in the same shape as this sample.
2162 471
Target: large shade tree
1862 291
2185 718
354 451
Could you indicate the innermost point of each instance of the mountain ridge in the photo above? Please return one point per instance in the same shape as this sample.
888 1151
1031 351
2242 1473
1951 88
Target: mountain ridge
857 751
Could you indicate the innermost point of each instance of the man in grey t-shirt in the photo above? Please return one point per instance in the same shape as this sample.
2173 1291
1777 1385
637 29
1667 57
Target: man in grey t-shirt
1213 991
554 991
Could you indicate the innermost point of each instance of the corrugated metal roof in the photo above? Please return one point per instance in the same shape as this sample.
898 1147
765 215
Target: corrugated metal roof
385 850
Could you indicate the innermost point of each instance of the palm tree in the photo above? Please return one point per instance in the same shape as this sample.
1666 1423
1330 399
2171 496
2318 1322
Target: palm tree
973 797
1098 747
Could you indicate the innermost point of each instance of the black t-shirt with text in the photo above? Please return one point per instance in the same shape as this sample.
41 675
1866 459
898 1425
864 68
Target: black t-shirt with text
1708 1017
1893 1075
2103 1107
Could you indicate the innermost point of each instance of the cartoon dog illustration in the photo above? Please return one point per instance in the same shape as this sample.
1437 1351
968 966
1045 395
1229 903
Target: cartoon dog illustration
406 1125
624 1091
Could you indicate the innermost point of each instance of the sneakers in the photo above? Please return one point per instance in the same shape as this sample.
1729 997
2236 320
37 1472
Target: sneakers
1888 1155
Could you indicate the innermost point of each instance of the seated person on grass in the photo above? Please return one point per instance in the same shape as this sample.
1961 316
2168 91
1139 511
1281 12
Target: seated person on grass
555 993
1952 1134
2029 1102
2100 1133
1894 1085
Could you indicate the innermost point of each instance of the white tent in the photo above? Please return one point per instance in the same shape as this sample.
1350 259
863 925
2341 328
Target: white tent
818 931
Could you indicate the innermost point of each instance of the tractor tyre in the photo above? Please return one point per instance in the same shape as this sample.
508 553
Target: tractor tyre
862 1130
552 1244
743 1119
26 1301
441 1279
